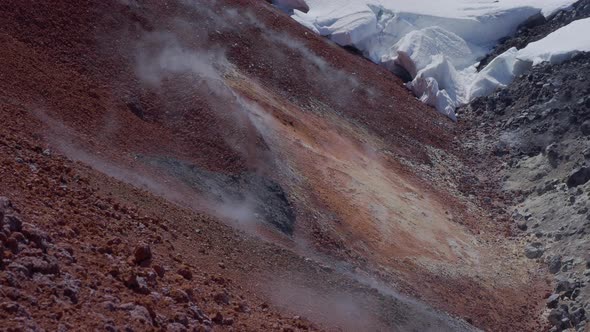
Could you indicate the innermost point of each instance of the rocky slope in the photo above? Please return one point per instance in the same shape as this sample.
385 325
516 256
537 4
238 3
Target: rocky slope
541 126
536 134
198 165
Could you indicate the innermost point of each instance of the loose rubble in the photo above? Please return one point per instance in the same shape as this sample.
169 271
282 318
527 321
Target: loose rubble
112 269
542 148
30 256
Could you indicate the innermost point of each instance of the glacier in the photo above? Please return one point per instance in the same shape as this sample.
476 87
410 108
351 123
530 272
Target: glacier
437 42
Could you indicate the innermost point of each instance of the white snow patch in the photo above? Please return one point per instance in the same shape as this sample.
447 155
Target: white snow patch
557 47
498 73
439 42
560 45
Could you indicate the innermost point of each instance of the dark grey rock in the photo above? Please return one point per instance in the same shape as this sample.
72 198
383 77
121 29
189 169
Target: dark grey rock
556 315
534 250
554 264
552 152
12 223
564 286
577 316
578 177
553 301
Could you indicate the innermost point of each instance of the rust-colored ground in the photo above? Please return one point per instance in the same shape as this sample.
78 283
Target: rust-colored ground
88 89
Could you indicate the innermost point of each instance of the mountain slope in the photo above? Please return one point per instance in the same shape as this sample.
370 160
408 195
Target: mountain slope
286 174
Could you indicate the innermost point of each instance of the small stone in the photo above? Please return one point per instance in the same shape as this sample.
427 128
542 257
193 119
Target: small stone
565 321
242 307
12 222
137 284
221 298
577 315
534 250
521 224
563 285
141 314
36 236
218 318
160 271
18 269
71 289
182 319
185 273
175 327
552 152
9 307
585 128
197 313
142 253
555 316
109 305
179 296
552 301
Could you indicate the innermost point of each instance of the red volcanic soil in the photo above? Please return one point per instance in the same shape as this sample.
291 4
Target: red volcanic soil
279 181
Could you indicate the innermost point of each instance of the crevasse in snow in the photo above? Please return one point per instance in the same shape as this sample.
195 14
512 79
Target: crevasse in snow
438 42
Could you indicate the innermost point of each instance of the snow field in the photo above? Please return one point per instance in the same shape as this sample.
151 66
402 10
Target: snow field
439 42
